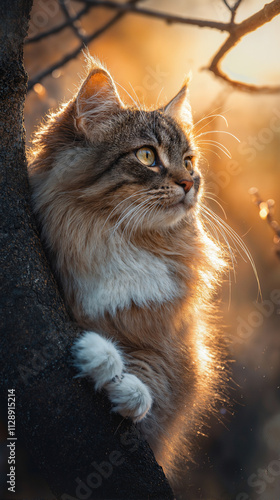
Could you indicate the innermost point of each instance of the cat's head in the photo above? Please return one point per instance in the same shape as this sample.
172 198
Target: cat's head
131 167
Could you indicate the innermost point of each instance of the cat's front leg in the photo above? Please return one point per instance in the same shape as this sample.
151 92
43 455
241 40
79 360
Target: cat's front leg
102 360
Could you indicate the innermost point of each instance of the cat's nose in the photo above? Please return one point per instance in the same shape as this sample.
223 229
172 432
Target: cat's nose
186 184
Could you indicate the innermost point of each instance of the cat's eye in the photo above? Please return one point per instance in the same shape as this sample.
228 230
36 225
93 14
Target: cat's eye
146 156
189 164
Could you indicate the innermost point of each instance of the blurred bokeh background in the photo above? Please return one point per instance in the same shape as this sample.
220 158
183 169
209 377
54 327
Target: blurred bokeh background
239 459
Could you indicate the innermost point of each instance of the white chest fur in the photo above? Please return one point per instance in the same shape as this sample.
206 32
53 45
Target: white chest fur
123 276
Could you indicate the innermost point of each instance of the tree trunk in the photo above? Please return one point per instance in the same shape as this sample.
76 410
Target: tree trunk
83 450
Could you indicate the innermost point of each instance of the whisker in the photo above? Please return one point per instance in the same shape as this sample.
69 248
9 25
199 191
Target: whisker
149 209
137 105
156 206
216 196
140 106
203 127
214 229
212 141
212 115
218 146
140 191
207 124
213 199
128 214
222 232
221 225
141 214
238 242
212 225
218 132
231 255
204 157
212 151
136 96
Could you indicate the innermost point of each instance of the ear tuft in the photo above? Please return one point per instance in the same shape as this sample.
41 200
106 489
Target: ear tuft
97 98
179 107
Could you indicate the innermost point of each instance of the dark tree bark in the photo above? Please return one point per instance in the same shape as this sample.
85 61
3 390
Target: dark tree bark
65 425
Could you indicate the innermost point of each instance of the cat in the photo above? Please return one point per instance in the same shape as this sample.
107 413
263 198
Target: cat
117 192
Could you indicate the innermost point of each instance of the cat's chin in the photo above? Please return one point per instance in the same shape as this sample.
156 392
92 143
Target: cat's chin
182 206
171 215
178 211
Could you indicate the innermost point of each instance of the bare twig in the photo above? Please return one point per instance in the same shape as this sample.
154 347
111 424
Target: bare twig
58 28
233 8
169 18
75 52
74 24
266 212
237 32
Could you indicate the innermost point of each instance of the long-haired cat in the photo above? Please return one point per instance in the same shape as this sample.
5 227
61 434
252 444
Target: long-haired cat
117 192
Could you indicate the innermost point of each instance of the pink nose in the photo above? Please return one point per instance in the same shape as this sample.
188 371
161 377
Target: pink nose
186 184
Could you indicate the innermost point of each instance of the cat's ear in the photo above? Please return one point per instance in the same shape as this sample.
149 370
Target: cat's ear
179 107
97 100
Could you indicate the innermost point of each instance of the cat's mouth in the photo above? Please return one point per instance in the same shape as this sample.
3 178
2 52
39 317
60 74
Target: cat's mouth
185 201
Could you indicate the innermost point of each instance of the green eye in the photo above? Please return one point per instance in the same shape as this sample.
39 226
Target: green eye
189 164
146 156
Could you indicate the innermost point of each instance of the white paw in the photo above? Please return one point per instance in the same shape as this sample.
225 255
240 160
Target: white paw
130 397
97 358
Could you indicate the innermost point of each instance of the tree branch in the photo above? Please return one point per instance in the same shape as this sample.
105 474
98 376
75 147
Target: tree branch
169 18
38 78
237 32
58 28
73 24
232 8
86 40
